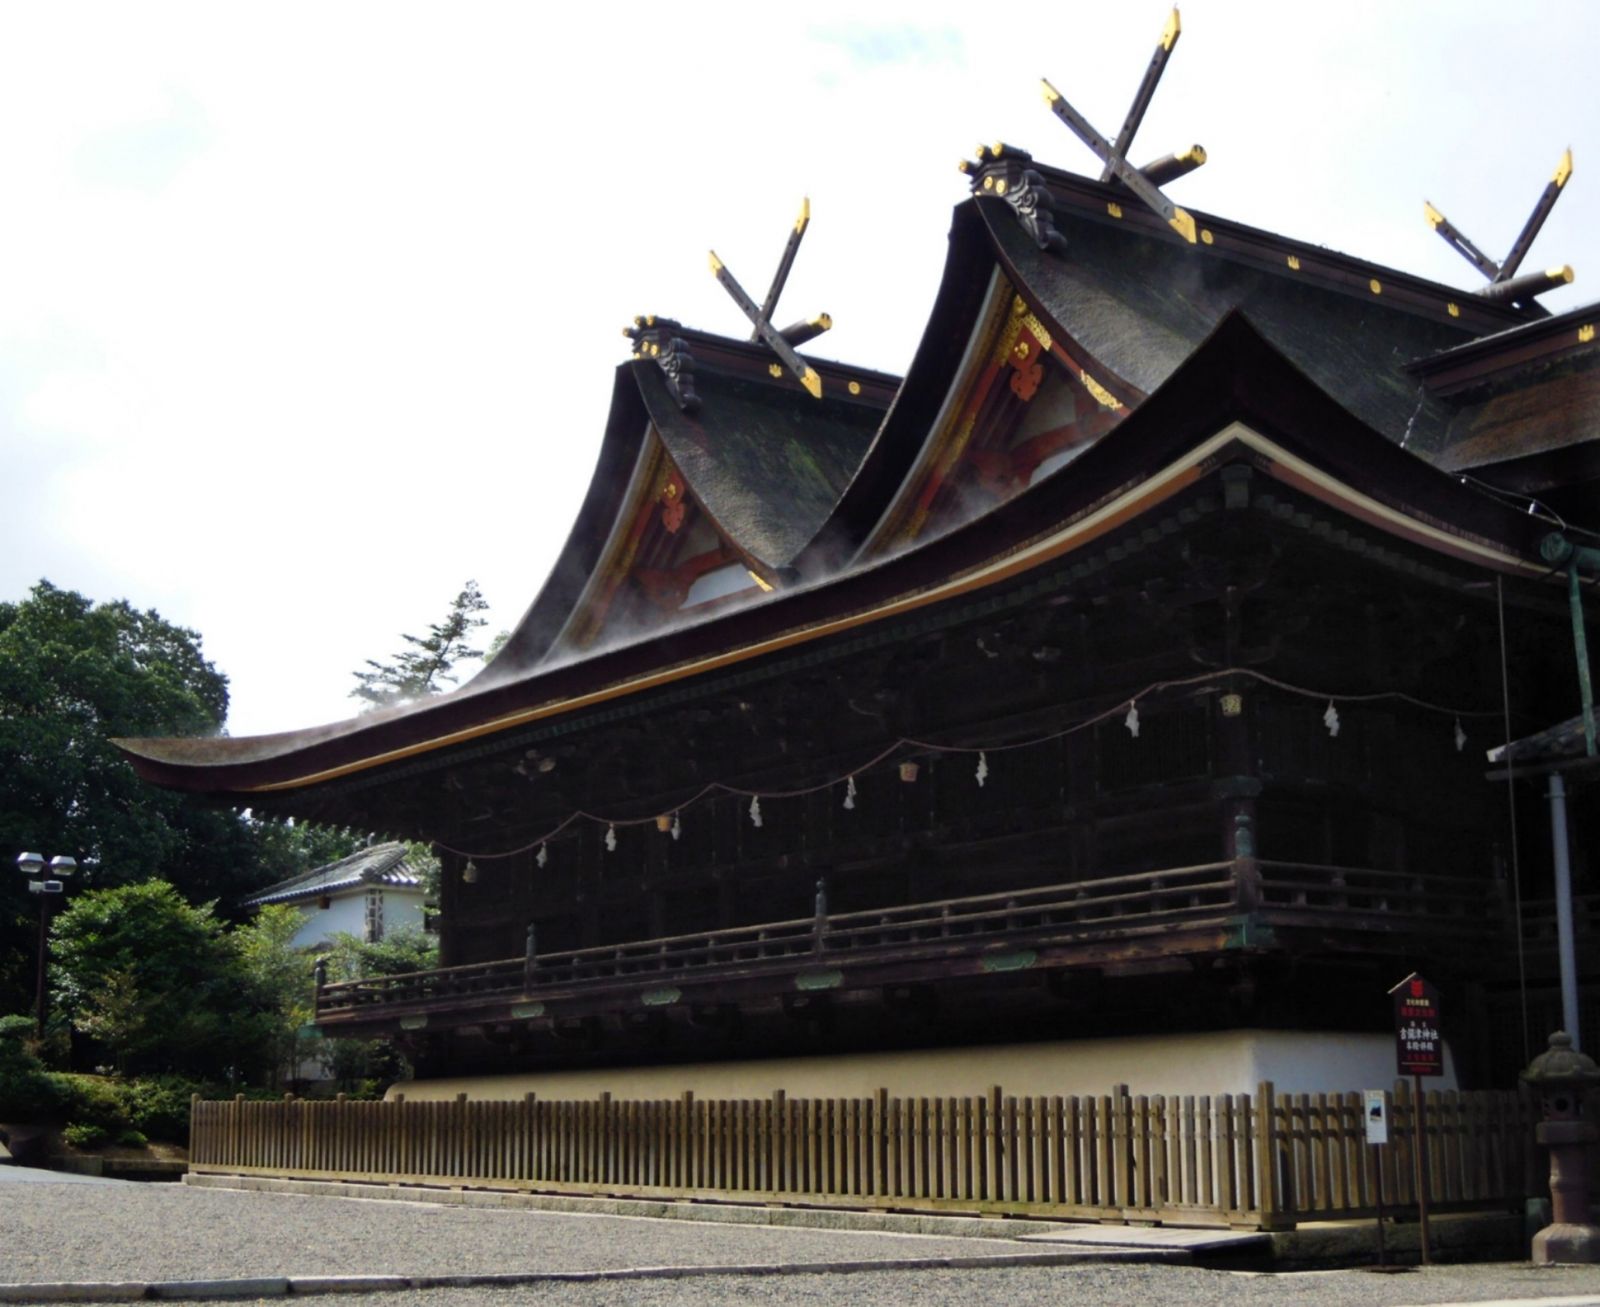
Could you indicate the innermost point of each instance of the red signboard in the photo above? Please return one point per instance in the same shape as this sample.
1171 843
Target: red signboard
1419 1045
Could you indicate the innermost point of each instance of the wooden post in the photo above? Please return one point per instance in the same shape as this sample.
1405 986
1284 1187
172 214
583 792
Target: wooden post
1377 1166
1061 1178
1141 1153
1122 1144
1105 1196
691 1176
1268 1194
1420 1155
774 1142
994 1154
880 1144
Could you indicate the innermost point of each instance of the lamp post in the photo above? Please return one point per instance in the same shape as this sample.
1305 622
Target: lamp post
31 865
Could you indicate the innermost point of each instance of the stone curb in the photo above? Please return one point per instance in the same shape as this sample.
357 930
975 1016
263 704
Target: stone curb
281 1286
663 1209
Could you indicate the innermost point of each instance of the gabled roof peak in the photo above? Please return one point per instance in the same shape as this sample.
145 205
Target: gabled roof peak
378 864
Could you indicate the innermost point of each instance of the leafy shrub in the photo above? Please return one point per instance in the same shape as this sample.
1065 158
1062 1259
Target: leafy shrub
95 1100
27 1091
131 1139
159 1106
15 1029
155 1107
85 1134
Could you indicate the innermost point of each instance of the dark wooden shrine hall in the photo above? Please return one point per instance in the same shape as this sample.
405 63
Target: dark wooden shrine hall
1129 667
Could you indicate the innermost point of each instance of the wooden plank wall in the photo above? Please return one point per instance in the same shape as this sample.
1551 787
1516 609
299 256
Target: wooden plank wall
1255 1161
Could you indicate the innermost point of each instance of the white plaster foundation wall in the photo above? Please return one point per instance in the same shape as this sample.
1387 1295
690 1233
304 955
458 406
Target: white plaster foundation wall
1222 1062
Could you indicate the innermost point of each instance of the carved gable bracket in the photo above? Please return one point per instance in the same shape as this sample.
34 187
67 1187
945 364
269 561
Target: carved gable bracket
656 338
1002 170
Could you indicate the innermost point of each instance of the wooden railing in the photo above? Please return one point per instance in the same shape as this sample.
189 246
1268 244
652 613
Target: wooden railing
1263 1160
1449 904
1080 910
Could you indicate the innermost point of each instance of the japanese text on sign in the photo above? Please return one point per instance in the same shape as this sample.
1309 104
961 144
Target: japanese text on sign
1419 1045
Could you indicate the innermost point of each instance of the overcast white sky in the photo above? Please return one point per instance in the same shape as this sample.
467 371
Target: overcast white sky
308 312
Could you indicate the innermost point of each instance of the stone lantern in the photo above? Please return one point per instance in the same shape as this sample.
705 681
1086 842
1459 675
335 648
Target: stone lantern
1561 1076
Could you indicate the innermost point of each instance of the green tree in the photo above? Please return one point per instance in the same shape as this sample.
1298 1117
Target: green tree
75 674
406 949
113 1012
156 979
359 1064
426 666
279 976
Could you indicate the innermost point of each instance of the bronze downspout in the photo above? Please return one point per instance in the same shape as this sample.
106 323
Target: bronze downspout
1557 549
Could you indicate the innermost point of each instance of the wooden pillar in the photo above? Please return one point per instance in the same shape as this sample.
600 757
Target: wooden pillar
449 907
1237 786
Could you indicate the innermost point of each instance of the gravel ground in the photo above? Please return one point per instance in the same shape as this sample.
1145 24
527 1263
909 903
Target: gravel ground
62 1231
1079 1286
173 1232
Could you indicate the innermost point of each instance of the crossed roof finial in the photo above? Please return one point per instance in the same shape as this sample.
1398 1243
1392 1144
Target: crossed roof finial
1144 182
1504 284
781 342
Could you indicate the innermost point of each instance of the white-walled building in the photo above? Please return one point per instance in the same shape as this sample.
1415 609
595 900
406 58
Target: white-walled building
367 895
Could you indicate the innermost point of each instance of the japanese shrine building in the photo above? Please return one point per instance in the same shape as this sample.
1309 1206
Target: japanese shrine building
1107 698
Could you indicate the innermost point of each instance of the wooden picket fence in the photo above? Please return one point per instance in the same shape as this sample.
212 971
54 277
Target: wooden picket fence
1261 1161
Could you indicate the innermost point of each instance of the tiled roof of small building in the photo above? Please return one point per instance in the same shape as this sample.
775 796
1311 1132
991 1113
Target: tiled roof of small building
381 864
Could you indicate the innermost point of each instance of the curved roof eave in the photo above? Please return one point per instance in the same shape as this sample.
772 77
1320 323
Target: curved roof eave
1142 333
542 622
969 263
764 459
1236 389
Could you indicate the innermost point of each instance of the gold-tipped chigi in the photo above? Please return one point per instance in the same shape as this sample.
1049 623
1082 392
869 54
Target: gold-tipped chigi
1504 283
781 343
1113 154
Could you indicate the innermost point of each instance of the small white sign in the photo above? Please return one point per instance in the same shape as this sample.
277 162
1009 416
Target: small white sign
1377 1117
